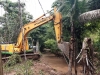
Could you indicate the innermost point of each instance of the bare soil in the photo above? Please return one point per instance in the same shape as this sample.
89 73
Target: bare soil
56 64
51 65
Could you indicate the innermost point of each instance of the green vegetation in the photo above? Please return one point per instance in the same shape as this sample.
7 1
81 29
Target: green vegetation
22 68
51 44
13 59
10 20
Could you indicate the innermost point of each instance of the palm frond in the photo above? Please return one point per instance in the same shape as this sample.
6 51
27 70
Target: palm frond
90 15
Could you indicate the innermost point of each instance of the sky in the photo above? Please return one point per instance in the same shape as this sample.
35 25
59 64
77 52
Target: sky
33 7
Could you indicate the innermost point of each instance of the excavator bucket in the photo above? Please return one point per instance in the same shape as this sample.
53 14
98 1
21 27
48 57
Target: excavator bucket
64 47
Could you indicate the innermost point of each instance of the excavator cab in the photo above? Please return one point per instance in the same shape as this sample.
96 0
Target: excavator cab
30 42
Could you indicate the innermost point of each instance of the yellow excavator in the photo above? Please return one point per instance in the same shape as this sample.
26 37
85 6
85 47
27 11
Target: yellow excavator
20 46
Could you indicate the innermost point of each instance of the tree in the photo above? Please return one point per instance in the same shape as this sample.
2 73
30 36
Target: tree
94 4
10 20
51 44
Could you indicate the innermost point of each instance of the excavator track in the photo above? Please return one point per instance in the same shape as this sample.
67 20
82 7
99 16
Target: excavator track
33 56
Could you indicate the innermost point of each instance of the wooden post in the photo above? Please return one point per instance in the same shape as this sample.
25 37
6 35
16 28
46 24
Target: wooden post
1 67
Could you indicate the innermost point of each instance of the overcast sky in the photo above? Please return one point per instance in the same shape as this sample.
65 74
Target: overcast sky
33 7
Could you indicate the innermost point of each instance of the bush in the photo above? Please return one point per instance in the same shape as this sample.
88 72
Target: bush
23 68
51 44
13 60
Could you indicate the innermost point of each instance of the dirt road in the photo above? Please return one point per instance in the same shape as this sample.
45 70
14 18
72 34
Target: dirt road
55 62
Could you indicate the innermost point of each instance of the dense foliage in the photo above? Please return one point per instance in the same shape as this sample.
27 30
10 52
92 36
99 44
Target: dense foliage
10 20
94 4
51 44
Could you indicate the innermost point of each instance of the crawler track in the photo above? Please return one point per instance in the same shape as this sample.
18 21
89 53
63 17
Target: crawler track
33 56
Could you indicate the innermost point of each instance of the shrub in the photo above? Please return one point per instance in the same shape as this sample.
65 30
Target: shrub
51 44
23 68
14 59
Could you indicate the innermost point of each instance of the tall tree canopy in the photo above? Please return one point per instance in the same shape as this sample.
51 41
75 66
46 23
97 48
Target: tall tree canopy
94 4
10 20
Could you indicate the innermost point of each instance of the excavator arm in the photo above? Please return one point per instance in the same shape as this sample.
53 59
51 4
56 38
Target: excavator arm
36 23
